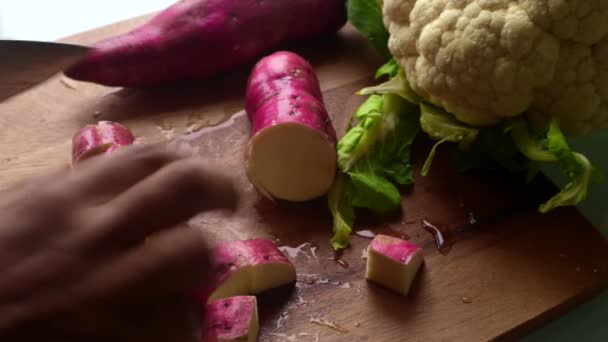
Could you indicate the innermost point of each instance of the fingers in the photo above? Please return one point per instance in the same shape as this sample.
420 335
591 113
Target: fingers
170 196
24 187
100 179
154 319
151 287
172 262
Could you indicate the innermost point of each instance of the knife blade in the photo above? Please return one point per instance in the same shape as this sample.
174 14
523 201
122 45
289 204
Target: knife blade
24 64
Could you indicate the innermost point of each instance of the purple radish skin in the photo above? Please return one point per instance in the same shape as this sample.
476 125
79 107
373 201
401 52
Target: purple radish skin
103 138
231 319
194 39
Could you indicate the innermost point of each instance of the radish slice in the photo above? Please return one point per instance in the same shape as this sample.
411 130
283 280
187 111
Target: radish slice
104 137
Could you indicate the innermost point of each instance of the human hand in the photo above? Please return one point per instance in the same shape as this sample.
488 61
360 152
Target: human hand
77 244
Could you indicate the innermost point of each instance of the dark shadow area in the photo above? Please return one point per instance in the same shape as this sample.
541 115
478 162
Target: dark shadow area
394 306
295 223
273 303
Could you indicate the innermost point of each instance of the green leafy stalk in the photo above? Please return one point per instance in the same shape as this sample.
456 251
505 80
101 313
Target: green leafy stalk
398 85
366 16
439 124
495 150
359 139
575 191
373 157
373 191
552 147
528 146
429 159
338 200
390 69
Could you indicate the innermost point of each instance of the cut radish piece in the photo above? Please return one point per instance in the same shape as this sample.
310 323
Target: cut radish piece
247 267
231 319
292 153
393 263
291 162
104 137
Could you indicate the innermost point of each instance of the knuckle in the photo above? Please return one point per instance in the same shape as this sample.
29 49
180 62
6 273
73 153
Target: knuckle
153 155
189 177
189 171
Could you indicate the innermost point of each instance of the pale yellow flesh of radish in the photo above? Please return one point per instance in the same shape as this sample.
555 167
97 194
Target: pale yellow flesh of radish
238 284
268 276
391 274
251 280
291 162
254 327
97 150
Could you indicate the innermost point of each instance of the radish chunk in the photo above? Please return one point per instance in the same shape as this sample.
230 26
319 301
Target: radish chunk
104 137
247 267
292 152
194 39
393 263
231 319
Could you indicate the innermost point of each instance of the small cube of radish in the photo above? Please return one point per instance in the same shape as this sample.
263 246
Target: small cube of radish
231 319
393 263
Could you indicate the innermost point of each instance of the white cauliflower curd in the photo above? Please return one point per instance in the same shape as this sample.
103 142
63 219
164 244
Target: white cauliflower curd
486 60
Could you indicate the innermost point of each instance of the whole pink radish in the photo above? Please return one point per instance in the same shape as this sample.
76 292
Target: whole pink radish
193 39
292 152
104 137
231 319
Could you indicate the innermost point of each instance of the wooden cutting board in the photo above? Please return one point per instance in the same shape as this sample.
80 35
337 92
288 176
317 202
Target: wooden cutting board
503 269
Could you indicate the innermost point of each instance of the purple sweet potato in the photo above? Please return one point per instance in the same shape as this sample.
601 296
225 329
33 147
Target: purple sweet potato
104 137
194 39
292 152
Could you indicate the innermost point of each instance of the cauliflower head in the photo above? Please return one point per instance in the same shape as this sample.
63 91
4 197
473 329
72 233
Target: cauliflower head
486 60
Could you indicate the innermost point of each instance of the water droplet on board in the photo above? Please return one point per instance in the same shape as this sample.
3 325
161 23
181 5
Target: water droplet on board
338 259
472 219
368 234
340 262
440 234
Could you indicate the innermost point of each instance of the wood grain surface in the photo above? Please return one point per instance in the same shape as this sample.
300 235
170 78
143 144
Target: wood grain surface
507 268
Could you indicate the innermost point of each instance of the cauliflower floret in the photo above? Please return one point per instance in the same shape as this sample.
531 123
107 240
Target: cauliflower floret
582 21
485 60
578 95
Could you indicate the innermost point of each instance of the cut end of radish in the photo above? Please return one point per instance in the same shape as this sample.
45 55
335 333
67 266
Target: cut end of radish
232 319
393 263
247 267
92 152
299 170
104 137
